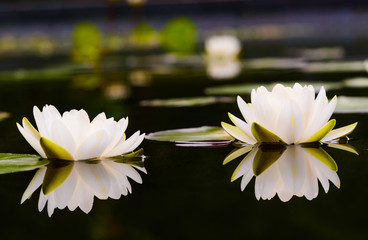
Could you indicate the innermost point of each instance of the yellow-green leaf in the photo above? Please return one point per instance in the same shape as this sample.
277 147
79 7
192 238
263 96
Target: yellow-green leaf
266 156
344 147
56 173
29 126
324 157
322 132
265 136
237 153
54 151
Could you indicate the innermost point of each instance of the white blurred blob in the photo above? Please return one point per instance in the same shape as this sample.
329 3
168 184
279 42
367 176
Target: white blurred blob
222 56
223 69
224 47
77 183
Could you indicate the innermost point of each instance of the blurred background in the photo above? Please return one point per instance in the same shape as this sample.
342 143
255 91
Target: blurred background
171 64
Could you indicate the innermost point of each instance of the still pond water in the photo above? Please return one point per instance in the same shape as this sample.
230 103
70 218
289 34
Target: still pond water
187 192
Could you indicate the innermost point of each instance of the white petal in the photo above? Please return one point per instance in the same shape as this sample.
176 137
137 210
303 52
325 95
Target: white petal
285 124
93 146
245 110
35 143
62 137
125 146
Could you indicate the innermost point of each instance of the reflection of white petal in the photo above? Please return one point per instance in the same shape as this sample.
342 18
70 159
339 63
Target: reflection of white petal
34 184
296 172
105 179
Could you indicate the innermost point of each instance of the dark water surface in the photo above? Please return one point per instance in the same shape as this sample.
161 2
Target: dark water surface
187 193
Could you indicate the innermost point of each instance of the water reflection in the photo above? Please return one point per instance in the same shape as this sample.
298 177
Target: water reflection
75 184
285 171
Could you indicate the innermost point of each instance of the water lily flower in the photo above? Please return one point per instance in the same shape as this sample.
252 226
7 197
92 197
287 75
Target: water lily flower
295 170
223 47
75 184
286 115
72 136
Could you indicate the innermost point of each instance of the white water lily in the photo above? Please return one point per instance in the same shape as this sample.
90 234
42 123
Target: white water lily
72 136
222 47
76 184
288 115
293 171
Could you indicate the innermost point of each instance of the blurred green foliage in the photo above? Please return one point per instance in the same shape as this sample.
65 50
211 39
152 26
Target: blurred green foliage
179 36
86 43
144 35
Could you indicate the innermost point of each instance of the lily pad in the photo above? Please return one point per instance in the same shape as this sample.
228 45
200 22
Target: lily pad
352 105
185 102
11 163
199 134
331 67
275 63
360 82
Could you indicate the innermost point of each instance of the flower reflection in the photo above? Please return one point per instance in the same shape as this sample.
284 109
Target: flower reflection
223 69
75 184
285 171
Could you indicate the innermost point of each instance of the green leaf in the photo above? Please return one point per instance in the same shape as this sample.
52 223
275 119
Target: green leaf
322 132
266 156
56 173
324 157
265 136
11 163
205 133
54 151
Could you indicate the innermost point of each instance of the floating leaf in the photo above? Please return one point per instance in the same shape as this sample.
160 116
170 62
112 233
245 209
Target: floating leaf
205 133
275 63
185 102
10 163
356 82
352 105
341 66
